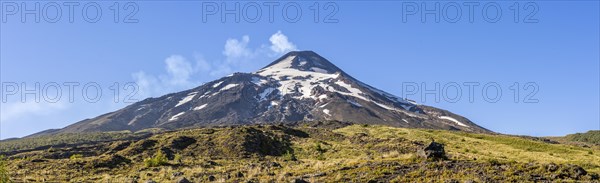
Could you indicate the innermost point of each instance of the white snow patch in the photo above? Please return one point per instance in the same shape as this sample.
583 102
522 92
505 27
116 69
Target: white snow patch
263 95
453 120
323 105
411 102
353 91
319 70
258 81
200 107
326 111
397 110
406 107
227 87
404 120
176 116
217 84
186 99
216 93
134 120
322 96
204 95
302 63
273 103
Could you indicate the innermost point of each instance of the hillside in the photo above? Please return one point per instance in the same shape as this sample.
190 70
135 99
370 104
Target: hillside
591 137
312 152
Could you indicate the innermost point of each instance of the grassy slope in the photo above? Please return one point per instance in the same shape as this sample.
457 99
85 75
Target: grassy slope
591 137
462 145
354 153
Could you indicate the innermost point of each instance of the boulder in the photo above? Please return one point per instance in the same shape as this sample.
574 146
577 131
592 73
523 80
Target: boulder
433 151
212 178
182 142
299 181
183 180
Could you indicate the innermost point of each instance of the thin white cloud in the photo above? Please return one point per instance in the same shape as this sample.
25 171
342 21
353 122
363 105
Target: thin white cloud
179 70
237 57
280 43
237 48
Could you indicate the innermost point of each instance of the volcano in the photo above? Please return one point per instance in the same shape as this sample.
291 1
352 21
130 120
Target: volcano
299 86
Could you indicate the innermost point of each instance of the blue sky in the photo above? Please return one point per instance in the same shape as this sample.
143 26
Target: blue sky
179 45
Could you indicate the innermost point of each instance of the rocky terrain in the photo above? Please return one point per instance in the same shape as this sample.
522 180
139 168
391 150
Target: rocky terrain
317 151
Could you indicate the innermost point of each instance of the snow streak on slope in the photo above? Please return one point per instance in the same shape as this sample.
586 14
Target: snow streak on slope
187 99
453 120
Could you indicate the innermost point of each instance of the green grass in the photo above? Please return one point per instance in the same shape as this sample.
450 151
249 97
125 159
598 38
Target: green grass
485 146
592 137
4 174
63 139
357 153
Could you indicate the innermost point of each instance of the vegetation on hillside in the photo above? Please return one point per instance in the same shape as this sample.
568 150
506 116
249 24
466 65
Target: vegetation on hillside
276 153
4 175
64 139
592 137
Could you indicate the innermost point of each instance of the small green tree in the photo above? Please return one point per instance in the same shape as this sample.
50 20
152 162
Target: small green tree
4 178
158 159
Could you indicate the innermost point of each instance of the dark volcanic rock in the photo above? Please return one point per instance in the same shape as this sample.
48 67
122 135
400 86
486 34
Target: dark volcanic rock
212 178
433 151
299 181
183 180
182 142
109 161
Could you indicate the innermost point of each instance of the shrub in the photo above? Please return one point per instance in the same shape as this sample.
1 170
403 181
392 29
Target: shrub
289 156
319 148
76 156
177 158
158 159
4 178
494 162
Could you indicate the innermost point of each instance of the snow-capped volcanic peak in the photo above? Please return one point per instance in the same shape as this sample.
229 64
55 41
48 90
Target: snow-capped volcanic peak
291 76
300 74
299 86
303 61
